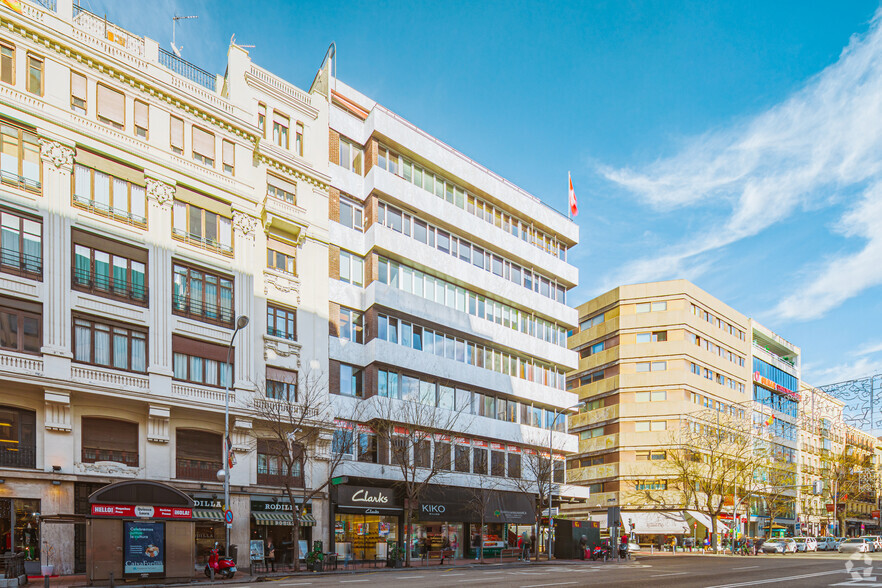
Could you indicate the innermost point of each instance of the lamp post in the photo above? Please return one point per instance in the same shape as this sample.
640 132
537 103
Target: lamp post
241 323
551 469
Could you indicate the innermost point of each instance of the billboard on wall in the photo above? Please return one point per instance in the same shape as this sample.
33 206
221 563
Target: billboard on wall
143 547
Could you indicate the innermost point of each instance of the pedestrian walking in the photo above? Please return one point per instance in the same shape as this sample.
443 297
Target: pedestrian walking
476 544
583 547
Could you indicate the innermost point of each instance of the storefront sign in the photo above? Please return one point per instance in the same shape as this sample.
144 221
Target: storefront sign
270 506
143 512
449 504
767 383
207 503
144 547
362 497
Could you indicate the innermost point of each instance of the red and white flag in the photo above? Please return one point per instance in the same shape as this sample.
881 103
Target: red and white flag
574 207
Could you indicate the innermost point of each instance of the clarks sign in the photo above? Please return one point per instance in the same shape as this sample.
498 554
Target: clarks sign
362 496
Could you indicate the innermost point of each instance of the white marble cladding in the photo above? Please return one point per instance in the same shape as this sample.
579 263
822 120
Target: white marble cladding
424 312
437 211
421 362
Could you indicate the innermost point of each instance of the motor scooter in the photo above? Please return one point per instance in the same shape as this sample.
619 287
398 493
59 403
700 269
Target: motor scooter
601 552
224 567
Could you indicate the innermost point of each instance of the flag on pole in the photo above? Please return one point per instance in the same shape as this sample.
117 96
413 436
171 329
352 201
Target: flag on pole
770 420
13 5
574 208
231 457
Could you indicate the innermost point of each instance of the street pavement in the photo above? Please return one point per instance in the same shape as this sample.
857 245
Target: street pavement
674 571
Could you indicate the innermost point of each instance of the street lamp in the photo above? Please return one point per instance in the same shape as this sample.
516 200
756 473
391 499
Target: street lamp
551 468
241 323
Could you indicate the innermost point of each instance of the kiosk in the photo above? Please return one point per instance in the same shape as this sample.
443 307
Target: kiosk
140 529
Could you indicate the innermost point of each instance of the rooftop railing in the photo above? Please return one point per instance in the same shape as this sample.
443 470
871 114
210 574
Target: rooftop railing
101 28
47 4
187 70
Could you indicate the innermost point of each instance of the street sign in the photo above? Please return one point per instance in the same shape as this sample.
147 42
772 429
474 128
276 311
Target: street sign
228 517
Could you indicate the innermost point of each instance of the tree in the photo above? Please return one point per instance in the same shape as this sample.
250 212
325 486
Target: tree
410 428
777 489
480 498
842 470
712 453
293 438
538 478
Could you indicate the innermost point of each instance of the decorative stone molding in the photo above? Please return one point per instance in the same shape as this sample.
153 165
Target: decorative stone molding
274 347
245 224
159 192
55 153
107 468
281 283
241 435
157 424
57 411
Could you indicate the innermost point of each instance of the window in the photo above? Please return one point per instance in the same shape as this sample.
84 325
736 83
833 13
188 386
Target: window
202 363
229 156
653 396
111 107
110 345
350 380
78 92
115 196
351 156
422 453
643 366
280 129
351 268
351 325
21 325
461 457
351 215
341 442
261 119
298 140
35 75
479 460
203 146
645 426
20 163
110 440
591 433
284 262
643 307
142 123
176 135
497 463
442 455
281 384
651 485
7 63
198 455
273 458
18 444
202 295
281 322
21 245
367 447
204 228
115 275
659 336
659 306
644 337
514 465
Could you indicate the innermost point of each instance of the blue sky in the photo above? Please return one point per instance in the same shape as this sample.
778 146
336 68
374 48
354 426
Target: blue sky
736 144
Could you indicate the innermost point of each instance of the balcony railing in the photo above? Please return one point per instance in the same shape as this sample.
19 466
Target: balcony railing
93 454
47 4
203 242
194 469
201 310
99 27
22 182
106 210
20 264
280 334
21 456
86 280
187 70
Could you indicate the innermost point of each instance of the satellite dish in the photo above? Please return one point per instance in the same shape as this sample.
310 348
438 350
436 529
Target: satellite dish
175 49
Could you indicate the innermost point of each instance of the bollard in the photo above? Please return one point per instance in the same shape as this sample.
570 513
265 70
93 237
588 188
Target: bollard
211 573
46 581
111 580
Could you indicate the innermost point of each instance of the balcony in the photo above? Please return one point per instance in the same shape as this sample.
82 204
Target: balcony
773 359
21 264
594 416
200 310
103 209
96 454
598 443
185 69
284 215
202 242
21 363
109 377
18 456
194 469
99 27
86 281
29 184
202 394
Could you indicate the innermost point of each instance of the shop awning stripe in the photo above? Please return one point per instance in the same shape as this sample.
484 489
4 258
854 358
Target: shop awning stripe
273 518
209 514
307 520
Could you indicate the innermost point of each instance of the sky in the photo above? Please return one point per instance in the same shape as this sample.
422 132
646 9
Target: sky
734 144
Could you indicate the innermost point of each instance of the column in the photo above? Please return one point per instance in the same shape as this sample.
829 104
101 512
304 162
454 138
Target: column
160 195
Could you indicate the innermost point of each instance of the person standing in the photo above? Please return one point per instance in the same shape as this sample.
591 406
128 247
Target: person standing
476 544
270 554
583 547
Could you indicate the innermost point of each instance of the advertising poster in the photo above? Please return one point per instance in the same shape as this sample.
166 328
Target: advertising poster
143 547
384 529
362 529
257 550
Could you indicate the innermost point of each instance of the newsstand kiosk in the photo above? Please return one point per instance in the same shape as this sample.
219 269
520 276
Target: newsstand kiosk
140 530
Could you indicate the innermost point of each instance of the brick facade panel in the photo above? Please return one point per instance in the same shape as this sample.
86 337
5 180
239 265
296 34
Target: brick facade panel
334 376
334 204
334 319
370 155
334 262
333 146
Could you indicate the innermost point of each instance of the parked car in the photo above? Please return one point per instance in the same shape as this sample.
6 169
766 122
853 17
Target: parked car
782 545
877 542
856 544
828 543
806 544
633 547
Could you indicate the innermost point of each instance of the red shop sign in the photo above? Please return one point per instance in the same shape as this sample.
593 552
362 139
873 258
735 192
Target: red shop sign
144 512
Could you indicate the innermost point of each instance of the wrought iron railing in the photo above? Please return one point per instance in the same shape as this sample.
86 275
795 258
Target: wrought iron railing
186 69
107 210
84 279
16 262
281 334
18 457
93 454
22 182
203 242
194 469
199 309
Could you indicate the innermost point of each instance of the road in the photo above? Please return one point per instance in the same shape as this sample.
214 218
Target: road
802 570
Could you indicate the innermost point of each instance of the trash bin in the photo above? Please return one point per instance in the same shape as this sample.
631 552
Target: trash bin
234 553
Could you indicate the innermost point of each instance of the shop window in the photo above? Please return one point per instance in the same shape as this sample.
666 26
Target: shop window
21 325
497 463
198 455
202 295
479 460
109 440
514 465
120 275
18 446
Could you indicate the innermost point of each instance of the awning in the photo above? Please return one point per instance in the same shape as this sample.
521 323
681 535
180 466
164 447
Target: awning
705 521
208 514
656 522
282 518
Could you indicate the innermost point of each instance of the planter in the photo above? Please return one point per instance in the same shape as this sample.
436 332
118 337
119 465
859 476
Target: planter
47 570
33 568
318 566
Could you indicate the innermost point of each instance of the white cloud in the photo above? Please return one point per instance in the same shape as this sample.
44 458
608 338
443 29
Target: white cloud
852 370
825 139
870 349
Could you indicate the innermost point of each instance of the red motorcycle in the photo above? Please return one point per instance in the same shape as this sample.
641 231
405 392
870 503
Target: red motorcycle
223 567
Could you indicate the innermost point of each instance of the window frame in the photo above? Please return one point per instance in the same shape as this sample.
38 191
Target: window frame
114 212
42 61
261 119
94 425
111 291
11 47
112 331
217 350
202 240
119 126
23 266
135 125
74 104
23 310
187 295
272 261
20 180
354 324
277 126
287 315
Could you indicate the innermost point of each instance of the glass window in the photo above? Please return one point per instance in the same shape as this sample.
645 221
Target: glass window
352 325
35 75
284 262
7 63
20 164
202 228
110 345
20 329
350 380
202 295
21 244
281 322
109 196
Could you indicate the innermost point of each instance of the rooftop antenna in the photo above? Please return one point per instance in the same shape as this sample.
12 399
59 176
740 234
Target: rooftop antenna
233 42
175 20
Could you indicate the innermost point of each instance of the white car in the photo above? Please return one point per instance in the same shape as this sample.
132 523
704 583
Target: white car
806 544
828 543
876 542
856 544
782 545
